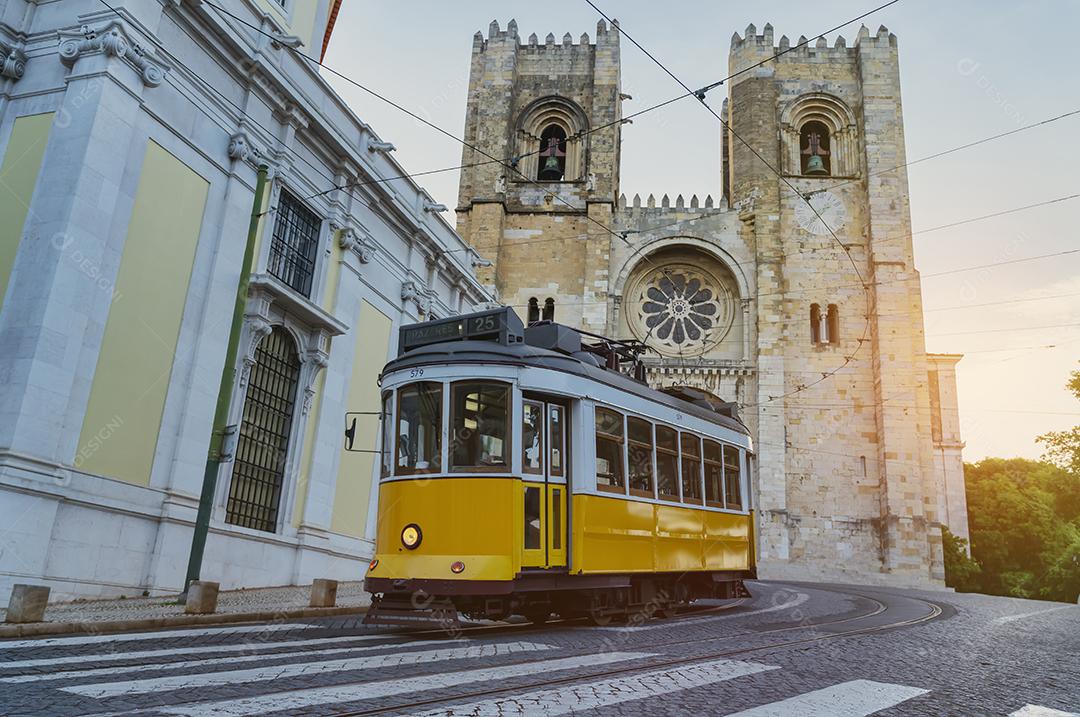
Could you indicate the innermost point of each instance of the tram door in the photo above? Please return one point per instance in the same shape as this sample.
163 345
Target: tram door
544 472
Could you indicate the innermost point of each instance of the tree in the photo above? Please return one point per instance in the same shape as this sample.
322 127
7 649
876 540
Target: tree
1063 447
1024 520
961 572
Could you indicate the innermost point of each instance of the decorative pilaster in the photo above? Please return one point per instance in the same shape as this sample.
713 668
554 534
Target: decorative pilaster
111 40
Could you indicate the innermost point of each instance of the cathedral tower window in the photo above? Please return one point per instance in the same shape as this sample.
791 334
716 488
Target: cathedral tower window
814 143
534 310
294 244
551 140
819 137
549 309
552 154
824 325
832 324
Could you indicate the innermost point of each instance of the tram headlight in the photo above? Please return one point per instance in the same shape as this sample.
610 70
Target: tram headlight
411 536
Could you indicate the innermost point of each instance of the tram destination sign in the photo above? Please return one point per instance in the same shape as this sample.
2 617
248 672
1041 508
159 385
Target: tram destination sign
502 325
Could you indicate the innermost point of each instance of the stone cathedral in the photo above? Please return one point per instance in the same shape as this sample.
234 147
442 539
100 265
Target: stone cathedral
746 293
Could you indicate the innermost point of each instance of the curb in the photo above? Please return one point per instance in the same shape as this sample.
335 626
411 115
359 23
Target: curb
39 629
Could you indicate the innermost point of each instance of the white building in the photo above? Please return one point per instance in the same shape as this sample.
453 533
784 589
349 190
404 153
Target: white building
129 143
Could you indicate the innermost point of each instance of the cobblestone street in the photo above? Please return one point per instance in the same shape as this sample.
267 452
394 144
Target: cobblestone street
792 649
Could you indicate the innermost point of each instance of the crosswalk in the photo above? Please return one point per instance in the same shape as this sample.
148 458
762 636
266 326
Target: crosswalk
237 677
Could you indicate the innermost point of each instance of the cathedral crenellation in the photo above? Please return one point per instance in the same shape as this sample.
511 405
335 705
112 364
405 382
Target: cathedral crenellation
802 306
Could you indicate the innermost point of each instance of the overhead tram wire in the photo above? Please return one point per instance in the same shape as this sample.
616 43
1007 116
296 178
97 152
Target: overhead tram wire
700 94
577 136
962 147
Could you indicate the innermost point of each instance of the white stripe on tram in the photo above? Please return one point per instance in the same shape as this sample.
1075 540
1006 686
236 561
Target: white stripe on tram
165 635
857 698
316 696
231 660
249 646
591 695
1039 711
799 599
278 672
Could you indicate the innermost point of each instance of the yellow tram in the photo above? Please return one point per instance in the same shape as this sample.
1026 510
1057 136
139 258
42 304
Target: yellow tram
532 471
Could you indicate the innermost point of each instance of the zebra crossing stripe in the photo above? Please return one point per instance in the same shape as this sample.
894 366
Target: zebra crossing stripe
165 635
279 672
590 695
857 698
799 599
231 660
1038 711
248 646
287 702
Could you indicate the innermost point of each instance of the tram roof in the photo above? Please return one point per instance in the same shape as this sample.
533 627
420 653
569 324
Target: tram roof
521 354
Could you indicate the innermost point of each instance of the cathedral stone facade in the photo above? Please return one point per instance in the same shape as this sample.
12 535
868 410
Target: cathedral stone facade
748 295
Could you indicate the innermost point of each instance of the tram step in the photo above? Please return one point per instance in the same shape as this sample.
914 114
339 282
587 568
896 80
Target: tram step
404 610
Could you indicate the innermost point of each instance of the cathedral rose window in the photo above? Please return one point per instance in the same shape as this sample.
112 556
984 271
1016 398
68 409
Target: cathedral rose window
679 309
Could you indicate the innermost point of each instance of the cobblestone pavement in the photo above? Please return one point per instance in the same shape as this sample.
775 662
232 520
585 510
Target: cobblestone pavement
792 649
229 601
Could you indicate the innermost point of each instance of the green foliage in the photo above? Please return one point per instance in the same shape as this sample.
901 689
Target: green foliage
1063 447
1024 519
961 572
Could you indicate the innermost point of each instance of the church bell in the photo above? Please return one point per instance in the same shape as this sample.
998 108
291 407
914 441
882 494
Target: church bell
815 166
551 171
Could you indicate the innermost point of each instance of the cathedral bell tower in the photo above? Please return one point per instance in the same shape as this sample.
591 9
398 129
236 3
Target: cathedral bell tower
552 111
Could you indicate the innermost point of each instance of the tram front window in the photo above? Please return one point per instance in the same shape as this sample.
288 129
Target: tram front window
419 433
479 416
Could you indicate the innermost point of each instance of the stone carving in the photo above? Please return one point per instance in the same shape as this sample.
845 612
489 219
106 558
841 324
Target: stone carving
12 62
680 309
349 240
240 148
111 40
409 291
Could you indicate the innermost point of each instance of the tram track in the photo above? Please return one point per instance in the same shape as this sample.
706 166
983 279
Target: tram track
934 611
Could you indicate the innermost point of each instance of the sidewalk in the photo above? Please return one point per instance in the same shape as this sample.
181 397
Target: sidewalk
145 613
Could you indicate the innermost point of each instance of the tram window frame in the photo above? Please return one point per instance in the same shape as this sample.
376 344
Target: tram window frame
738 503
619 484
541 444
560 424
507 436
665 453
436 460
641 460
387 439
686 479
710 463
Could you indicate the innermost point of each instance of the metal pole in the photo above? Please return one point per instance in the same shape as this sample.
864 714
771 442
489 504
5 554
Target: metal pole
228 378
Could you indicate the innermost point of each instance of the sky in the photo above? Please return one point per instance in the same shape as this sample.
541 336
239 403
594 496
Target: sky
969 70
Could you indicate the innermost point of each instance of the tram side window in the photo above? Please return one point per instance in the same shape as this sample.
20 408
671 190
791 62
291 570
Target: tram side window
667 463
557 441
691 468
610 476
640 453
387 435
532 437
419 433
732 478
479 416
714 475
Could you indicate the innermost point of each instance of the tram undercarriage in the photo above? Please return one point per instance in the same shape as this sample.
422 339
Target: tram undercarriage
601 599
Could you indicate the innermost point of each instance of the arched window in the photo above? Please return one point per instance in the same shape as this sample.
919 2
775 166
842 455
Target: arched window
820 137
552 165
815 323
832 324
549 309
814 149
263 445
534 310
